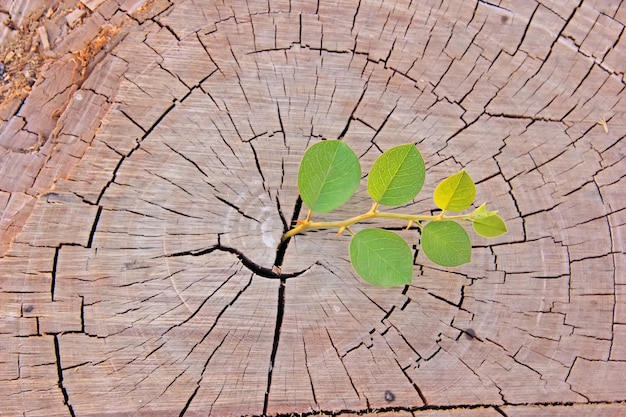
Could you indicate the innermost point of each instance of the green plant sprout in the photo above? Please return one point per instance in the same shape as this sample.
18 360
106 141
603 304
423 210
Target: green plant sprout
330 174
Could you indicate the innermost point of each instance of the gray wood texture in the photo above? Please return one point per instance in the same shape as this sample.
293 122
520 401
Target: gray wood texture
155 160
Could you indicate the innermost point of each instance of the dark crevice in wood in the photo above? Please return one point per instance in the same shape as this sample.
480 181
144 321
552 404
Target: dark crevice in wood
280 313
217 319
82 314
282 247
356 13
189 400
372 301
53 278
180 213
233 206
351 117
499 411
247 262
513 199
282 126
283 221
197 310
445 72
258 165
400 409
500 393
232 122
342 364
389 313
570 386
55 261
382 125
66 398
417 389
581 83
455 134
468 333
204 369
615 301
556 39
130 284
177 77
187 159
306 364
123 159
168 28
174 381
495 5
94 226
78 365
427 358
353 348
137 213
170 182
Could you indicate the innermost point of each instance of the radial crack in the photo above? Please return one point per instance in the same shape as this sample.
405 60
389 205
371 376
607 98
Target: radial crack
66 398
280 313
247 262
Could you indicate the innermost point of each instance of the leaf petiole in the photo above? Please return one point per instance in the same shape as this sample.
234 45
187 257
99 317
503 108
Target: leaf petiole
373 213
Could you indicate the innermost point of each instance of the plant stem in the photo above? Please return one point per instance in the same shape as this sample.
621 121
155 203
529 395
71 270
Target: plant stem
373 213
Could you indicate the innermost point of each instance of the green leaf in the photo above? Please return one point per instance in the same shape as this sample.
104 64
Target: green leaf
397 175
381 257
481 212
491 226
329 174
455 193
446 243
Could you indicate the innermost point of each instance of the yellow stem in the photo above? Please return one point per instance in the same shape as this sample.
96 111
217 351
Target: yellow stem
373 213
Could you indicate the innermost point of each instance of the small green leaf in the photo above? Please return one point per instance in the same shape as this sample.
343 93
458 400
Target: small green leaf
381 257
446 243
329 174
491 226
397 175
481 212
455 193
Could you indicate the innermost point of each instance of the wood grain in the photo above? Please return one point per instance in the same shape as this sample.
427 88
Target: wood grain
141 225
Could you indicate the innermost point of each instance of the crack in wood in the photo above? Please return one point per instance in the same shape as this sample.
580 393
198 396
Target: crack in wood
341 359
66 398
308 371
204 369
245 261
280 313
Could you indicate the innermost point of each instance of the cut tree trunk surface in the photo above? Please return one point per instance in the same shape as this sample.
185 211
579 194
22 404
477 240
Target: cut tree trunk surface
149 175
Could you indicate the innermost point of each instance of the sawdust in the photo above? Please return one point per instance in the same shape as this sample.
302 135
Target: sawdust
21 58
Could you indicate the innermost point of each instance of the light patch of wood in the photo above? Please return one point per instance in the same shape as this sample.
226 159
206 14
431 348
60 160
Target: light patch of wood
43 37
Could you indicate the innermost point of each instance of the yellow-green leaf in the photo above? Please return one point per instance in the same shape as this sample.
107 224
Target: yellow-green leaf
455 193
491 226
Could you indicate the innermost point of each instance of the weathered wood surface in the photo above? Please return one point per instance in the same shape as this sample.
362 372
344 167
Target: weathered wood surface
122 285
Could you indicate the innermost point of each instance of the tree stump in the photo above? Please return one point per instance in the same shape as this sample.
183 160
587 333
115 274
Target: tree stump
141 238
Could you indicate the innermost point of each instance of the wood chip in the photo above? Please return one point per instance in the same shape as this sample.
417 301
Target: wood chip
93 4
43 35
74 17
9 56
